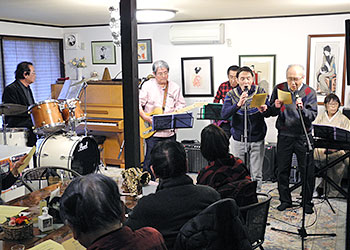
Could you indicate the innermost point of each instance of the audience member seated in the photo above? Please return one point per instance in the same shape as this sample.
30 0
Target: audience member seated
219 226
331 117
226 173
8 179
92 208
177 199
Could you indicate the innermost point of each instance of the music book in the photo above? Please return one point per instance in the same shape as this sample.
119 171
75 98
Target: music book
331 133
172 121
284 96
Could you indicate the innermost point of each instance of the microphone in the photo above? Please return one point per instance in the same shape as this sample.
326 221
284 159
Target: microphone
246 89
296 93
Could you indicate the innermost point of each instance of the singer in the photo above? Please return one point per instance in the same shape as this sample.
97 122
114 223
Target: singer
291 138
236 101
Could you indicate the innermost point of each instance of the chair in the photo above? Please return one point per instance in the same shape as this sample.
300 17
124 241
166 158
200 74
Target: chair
218 226
37 178
255 218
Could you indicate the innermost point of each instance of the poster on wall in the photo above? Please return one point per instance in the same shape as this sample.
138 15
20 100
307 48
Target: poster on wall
263 67
197 76
103 52
326 65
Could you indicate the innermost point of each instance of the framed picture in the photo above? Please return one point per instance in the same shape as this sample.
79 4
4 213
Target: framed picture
326 65
197 76
144 50
103 52
71 41
264 67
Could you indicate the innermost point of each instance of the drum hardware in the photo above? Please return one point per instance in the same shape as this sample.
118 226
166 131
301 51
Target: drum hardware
10 109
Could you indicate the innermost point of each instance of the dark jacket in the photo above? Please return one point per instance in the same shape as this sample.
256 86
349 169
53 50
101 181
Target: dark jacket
14 93
219 226
256 123
288 122
176 201
125 239
230 177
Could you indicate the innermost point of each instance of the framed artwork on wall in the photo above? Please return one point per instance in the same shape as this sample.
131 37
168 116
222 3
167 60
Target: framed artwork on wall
103 52
144 50
325 70
197 76
71 41
264 67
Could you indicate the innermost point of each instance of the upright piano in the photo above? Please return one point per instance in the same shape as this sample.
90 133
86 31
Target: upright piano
104 109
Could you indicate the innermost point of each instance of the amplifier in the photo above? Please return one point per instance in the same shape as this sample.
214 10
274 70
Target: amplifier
270 165
194 156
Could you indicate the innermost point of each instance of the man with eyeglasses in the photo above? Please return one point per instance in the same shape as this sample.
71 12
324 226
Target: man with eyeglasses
223 89
159 92
291 138
19 92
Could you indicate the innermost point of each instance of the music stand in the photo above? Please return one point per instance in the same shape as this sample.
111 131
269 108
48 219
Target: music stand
72 91
172 121
211 111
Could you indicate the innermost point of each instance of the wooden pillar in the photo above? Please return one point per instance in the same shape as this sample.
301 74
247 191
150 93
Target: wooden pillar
130 82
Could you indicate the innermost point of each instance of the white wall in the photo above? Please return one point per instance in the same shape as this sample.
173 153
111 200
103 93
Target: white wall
285 37
16 29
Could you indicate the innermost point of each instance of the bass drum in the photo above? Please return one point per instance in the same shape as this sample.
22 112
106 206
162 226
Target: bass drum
79 153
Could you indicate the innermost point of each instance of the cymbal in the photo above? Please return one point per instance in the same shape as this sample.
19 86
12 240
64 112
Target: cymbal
12 109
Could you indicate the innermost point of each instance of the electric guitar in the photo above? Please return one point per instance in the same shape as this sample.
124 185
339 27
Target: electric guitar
146 129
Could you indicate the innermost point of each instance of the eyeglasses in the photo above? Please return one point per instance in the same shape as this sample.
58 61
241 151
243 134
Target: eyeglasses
162 73
294 79
333 104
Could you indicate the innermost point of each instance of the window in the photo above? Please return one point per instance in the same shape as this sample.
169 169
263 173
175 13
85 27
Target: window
45 54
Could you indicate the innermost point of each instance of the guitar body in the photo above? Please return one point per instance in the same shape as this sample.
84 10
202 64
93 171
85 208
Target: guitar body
145 127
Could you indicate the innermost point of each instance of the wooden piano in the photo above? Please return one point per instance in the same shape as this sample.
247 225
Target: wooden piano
104 109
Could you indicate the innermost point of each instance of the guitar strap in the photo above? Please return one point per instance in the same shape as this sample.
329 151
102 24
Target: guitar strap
165 94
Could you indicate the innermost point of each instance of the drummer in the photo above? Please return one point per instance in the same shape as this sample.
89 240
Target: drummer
19 92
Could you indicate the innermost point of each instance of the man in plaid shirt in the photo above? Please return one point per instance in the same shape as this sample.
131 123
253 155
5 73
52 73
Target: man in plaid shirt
224 88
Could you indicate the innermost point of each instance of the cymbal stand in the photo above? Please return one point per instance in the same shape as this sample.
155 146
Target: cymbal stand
71 110
4 128
302 231
85 113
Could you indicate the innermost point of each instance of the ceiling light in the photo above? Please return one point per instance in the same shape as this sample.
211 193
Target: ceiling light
154 15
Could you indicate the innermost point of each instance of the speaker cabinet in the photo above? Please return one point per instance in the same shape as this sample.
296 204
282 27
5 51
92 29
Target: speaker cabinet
194 156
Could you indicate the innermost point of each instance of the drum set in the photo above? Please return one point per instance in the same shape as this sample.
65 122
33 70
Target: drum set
55 124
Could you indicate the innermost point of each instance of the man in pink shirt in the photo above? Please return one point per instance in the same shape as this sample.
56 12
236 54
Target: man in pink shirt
159 92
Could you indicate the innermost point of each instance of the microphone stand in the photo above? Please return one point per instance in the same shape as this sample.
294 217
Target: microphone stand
4 128
302 231
246 135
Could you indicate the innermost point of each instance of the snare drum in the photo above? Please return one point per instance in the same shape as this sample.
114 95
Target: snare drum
15 137
79 115
79 153
46 117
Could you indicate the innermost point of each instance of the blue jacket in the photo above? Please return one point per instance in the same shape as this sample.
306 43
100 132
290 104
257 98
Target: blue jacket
256 123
